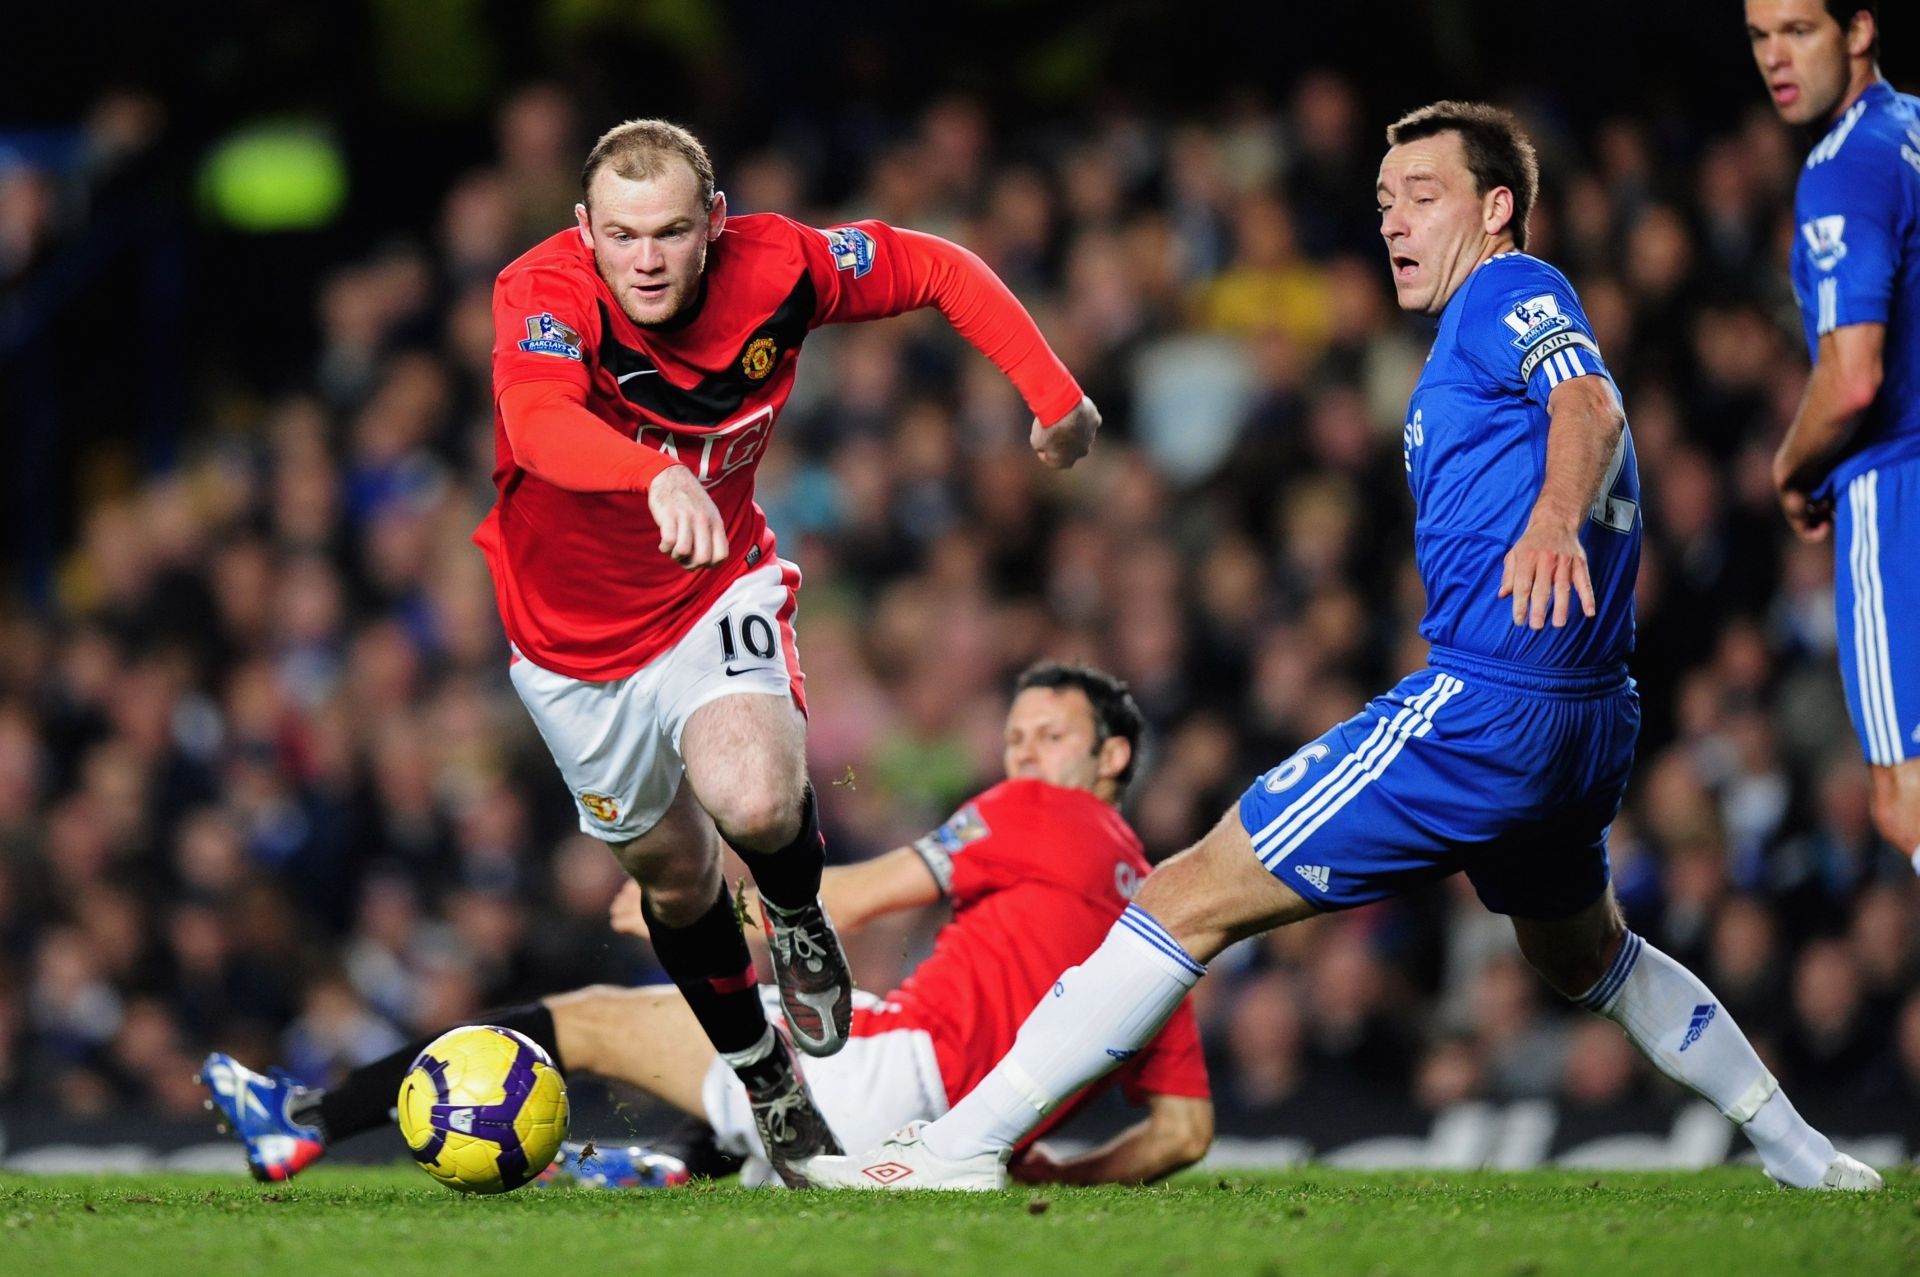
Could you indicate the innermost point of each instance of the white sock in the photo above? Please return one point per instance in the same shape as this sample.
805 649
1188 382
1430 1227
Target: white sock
1678 1024
1800 1155
1916 860
1096 1016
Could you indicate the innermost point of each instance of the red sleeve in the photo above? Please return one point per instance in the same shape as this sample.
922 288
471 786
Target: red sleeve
1171 1064
961 854
546 326
553 435
870 270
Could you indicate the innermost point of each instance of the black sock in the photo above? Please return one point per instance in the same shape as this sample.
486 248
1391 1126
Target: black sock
789 878
365 1097
710 963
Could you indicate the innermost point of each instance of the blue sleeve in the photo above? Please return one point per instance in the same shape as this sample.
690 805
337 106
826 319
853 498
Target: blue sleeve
1849 214
1525 326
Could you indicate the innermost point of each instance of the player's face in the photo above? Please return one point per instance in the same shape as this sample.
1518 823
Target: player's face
1802 55
1051 736
1437 227
650 238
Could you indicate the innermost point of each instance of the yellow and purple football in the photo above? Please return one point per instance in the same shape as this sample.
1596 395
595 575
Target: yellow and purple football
483 1109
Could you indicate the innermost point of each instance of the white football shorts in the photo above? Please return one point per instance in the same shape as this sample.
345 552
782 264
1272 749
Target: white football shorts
867 1090
618 742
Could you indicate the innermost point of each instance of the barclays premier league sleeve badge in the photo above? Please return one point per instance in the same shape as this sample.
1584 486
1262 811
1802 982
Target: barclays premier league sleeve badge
853 249
1535 320
1826 241
939 848
548 336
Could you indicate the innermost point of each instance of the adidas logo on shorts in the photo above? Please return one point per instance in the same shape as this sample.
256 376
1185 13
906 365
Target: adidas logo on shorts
1315 874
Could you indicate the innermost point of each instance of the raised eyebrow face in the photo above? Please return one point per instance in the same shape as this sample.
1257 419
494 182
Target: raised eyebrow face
1418 178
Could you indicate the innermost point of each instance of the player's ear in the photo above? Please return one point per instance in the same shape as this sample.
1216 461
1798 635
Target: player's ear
716 215
1113 756
1861 32
1496 211
586 227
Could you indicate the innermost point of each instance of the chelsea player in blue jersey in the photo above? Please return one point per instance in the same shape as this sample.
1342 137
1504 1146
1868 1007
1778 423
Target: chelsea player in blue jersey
1849 466
1505 759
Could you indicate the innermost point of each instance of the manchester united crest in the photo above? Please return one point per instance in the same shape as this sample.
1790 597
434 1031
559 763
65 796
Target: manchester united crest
602 808
757 362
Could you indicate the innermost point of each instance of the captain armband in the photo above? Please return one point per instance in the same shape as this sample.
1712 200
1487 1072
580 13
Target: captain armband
1553 346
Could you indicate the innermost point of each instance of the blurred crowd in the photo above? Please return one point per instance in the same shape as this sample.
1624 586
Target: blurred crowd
264 784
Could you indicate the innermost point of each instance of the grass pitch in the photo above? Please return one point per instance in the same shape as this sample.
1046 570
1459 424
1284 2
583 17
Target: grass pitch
369 1222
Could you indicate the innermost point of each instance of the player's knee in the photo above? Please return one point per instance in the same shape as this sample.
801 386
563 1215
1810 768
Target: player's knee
1569 975
1217 892
759 819
1178 895
1573 953
1572 964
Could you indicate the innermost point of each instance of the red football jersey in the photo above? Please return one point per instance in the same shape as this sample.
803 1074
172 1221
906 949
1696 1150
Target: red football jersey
582 585
1036 874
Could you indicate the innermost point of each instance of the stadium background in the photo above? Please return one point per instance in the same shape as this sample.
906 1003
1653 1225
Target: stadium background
263 783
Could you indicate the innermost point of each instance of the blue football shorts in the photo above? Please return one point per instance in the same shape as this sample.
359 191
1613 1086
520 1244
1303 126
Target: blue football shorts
1876 603
1462 768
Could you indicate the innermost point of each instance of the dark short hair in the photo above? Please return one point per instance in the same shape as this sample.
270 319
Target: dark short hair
1115 712
1498 152
1842 11
634 150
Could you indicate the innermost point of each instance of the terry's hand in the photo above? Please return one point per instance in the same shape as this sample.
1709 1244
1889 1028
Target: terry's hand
1543 568
691 530
1810 520
1068 439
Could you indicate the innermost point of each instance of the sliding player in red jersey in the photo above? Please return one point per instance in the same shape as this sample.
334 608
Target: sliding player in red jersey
640 362
1036 869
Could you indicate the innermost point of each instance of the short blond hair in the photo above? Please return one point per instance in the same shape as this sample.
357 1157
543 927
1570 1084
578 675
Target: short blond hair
635 149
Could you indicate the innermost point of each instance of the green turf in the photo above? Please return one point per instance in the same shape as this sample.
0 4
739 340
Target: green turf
361 1222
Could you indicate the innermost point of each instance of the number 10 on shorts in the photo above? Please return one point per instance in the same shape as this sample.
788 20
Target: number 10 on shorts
755 633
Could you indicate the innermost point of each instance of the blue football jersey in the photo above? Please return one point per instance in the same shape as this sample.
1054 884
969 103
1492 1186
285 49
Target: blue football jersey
1856 260
1476 452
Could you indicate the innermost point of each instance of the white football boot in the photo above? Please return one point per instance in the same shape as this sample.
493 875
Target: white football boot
1850 1175
1844 1175
903 1161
